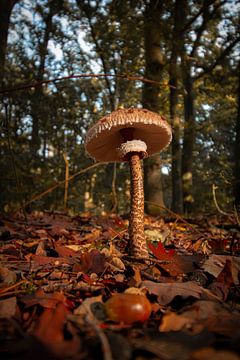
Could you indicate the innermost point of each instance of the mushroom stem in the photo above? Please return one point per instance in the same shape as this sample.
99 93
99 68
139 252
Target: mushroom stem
138 246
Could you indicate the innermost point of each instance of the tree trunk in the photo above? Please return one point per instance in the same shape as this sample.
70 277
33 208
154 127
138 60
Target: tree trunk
6 7
38 103
188 138
189 123
237 153
177 195
150 100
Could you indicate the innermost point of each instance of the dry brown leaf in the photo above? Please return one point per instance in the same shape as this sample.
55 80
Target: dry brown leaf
65 251
212 354
85 308
45 300
37 261
134 290
74 247
50 332
202 314
8 307
7 277
40 251
174 322
166 292
93 262
224 281
118 264
215 263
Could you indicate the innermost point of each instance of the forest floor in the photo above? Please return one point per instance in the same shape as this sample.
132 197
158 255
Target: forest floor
58 273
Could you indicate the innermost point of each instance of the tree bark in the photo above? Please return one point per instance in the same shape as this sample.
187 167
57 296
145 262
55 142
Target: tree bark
177 195
6 7
189 123
150 100
237 152
189 136
38 94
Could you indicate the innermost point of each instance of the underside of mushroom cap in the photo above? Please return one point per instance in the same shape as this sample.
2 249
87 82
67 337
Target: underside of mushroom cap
104 138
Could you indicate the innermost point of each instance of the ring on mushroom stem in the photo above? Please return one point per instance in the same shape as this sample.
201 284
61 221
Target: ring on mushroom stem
130 135
132 146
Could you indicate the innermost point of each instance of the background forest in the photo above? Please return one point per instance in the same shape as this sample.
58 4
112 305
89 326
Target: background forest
65 64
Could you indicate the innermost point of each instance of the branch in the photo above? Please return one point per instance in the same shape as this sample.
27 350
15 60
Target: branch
224 53
195 17
214 188
207 17
45 82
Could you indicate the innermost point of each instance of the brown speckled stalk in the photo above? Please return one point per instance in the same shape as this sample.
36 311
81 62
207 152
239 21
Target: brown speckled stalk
138 244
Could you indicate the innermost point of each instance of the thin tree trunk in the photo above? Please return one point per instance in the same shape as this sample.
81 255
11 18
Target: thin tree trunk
37 105
6 7
189 137
177 195
237 152
150 100
189 123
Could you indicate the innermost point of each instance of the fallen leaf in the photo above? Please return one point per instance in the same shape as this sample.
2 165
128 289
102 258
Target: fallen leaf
117 264
212 354
157 234
225 275
50 332
160 252
40 251
224 281
93 262
204 313
136 291
74 247
8 307
215 263
38 261
174 322
48 301
7 277
64 251
85 309
175 266
166 292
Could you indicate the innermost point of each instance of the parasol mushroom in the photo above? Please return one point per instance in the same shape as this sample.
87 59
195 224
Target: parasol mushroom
130 135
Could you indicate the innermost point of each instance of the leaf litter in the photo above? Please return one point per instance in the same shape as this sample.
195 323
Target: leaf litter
57 274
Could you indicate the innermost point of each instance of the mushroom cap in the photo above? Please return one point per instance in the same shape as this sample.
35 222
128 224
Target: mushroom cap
104 138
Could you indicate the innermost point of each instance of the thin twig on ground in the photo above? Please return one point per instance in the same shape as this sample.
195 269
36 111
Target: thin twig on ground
107 353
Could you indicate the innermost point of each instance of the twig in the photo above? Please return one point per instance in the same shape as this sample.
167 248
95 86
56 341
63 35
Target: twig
53 187
214 188
179 217
114 194
236 215
145 259
6 290
107 353
14 292
66 180
119 233
45 82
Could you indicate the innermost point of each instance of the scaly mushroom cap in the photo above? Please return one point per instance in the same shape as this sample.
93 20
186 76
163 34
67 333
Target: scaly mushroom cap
104 138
